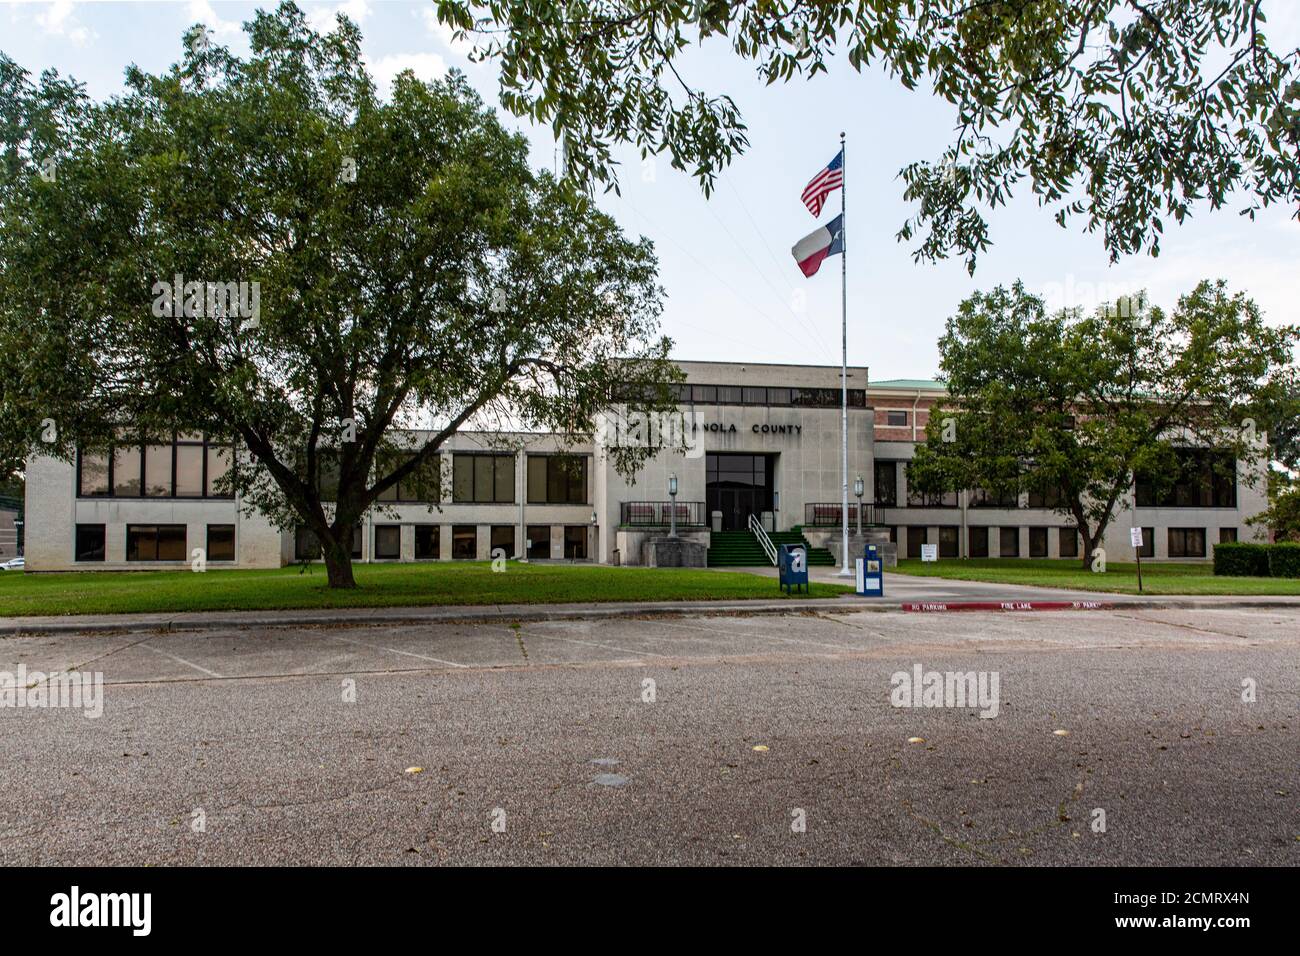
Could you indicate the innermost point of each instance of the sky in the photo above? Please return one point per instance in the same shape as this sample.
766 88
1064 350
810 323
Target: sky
733 290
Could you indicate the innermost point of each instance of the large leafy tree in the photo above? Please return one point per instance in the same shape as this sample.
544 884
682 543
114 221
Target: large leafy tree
1127 113
411 269
1073 405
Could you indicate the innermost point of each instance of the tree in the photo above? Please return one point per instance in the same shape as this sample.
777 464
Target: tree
1074 406
266 250
1282 518
1126 112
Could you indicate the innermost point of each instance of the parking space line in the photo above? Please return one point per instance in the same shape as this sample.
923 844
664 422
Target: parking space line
179 660
574 640
760 636
393 650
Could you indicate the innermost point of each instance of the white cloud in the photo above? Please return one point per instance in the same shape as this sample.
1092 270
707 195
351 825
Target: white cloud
426 66
322 16
201 12
59 19
444 33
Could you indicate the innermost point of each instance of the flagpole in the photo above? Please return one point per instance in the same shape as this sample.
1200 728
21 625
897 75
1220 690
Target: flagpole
846 569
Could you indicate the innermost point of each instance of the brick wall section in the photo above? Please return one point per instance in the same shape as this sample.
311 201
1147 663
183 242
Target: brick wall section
883 404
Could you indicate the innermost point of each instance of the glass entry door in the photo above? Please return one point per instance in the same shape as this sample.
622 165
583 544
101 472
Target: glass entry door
738 486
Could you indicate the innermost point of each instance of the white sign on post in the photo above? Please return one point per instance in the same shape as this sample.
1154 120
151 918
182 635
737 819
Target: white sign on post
929 552
1135 537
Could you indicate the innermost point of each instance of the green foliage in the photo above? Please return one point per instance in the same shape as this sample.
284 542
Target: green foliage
1282 518
1241 559
1126 114
444 283
1073 405
1284 559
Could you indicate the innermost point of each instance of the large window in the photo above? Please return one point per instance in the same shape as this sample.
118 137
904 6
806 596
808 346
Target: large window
949 541
1186 542
1069 542
306 546
1227 535
916 536
464 541
1009 542
887 484
188 467
90 542
426 541
1038 542
557 479
1203 478
977 542
422 485
155 542
1148 548
896 419
1049 498
767 396
483 479
503 538
539 541
575 542
929 499
221 542
983 498
388 541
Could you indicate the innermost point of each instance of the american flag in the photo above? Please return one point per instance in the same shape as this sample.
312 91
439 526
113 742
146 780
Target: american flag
823 184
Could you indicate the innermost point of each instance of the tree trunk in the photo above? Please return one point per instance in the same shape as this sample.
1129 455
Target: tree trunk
338 564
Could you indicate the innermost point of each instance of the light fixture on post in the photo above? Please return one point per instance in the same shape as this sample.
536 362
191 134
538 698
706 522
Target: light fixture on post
672 506
858 488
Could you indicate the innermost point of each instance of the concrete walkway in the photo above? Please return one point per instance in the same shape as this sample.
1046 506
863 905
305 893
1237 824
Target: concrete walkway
900 591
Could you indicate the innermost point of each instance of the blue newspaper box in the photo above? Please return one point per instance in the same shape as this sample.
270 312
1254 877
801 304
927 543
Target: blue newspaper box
871 575
792 563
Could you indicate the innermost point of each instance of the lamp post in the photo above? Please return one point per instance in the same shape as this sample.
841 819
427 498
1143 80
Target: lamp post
858 488
672 506
595 532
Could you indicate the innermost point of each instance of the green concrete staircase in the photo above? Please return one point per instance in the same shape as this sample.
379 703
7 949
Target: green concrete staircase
817 557
740 549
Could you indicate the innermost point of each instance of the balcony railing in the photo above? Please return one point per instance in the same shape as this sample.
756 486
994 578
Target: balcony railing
826 514
658 514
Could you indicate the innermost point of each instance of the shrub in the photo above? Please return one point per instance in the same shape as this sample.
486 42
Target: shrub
1284 560
1241 559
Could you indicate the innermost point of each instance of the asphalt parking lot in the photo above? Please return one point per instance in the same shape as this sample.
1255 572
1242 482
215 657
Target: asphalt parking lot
700 739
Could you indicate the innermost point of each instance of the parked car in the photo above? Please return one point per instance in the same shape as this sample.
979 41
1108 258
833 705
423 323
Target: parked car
13 564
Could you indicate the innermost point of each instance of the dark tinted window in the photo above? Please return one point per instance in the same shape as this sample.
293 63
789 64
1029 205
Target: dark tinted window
1038 542
155 542
978 542
388 541
1009 542
90 542
1069 542
426 541
575 542
221 542
464 541
949 541
503 539
887 483
1186 542
539 541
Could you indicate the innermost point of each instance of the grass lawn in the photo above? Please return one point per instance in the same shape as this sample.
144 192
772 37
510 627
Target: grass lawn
380 585
1157 578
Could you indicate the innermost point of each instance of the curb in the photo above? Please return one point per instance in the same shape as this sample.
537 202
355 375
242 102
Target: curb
470 614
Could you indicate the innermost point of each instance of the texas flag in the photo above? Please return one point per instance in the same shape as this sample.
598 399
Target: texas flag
816 246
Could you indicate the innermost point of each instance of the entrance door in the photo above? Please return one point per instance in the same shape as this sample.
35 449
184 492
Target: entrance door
736 505
738 486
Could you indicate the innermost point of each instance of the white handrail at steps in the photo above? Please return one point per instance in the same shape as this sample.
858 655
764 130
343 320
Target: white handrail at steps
768 547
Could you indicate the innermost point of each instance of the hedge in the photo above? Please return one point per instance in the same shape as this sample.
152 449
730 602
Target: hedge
1248 559
1284 559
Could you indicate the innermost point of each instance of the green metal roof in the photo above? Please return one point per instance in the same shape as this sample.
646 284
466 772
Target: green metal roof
924 384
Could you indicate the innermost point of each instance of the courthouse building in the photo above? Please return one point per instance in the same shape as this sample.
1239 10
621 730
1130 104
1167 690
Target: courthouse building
763 449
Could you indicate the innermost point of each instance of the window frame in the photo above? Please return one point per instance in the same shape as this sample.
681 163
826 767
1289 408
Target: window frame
234 542
140 447
474 458
135 530
103 542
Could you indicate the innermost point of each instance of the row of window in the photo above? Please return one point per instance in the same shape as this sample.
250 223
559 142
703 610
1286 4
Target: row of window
489 478
189 467
765 396
154 542
464 542
1183 542
1205 479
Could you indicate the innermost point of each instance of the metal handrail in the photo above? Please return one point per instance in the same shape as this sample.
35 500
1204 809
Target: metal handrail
769 548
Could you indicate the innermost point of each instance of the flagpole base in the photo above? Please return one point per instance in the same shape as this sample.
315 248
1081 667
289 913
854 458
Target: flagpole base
845 573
